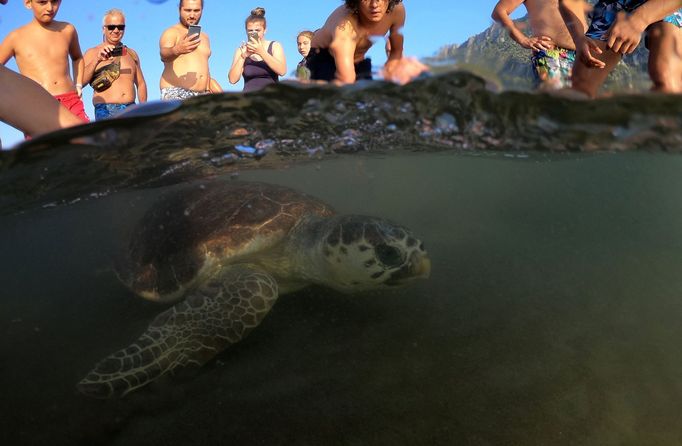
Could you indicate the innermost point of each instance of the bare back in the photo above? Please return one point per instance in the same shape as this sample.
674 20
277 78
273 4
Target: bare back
42 54
342 23
189 71
545 20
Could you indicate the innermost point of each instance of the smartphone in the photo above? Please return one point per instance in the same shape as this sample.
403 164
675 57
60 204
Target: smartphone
119 50
253 35
194 29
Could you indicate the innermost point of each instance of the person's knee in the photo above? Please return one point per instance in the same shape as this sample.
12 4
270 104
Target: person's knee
586 79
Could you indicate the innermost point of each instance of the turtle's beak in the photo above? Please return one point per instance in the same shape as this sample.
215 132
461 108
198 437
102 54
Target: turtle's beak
418 267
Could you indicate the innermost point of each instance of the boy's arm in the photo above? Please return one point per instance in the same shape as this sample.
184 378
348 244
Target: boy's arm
626 32
77 60
140 83
7 48
501 14
395 36
400 69
342 49
571 11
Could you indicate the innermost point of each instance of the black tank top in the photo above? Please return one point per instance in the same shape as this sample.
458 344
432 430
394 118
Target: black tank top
257 74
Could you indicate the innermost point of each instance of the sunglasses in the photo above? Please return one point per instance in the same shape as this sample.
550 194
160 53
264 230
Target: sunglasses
113 27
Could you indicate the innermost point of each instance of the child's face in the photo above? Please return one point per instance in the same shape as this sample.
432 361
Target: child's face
303 45
43 10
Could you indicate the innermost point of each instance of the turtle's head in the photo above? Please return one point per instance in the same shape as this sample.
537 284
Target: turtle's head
365 253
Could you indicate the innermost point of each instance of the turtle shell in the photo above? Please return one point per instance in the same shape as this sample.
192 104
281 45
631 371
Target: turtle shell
207 224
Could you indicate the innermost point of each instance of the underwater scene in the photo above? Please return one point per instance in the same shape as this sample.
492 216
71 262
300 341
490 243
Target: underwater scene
523 254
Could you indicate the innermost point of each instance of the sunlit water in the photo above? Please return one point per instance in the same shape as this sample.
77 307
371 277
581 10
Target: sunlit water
552 314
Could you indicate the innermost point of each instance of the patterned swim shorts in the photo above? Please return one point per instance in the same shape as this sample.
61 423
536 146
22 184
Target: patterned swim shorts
553 68
178 93
605 12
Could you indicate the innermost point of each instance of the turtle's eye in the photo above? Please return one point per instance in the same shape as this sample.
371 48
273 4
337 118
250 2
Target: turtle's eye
388 255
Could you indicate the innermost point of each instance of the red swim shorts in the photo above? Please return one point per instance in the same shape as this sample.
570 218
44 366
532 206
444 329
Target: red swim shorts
74 104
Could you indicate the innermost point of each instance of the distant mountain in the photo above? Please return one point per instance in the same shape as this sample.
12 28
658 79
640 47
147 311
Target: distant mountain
495 56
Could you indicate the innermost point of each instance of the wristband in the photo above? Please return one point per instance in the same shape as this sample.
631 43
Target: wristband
79 85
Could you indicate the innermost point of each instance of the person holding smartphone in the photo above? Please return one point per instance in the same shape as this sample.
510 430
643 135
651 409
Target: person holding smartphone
258 60
113 69
185 49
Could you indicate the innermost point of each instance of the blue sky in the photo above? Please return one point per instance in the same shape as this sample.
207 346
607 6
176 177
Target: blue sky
430 25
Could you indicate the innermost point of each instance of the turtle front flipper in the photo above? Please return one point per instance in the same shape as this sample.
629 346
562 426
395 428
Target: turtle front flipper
218 313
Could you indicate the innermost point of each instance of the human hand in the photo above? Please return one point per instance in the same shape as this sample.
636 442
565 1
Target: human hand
625 34
402 71
187 44
539 43
255 46
105 53
586 47
244 50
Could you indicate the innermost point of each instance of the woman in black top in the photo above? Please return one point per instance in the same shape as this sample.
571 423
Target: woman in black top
260 61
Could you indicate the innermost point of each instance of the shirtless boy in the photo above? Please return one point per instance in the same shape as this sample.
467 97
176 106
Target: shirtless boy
338 48
114 79
185 57
18 89
616 29
42 49
553 50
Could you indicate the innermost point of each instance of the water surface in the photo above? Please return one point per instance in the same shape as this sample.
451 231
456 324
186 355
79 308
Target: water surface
551 315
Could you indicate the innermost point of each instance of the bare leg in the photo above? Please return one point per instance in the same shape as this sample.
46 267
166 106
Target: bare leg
588 80
28 107
665 57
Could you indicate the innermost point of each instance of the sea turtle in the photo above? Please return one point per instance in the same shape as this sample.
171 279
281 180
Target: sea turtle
228 249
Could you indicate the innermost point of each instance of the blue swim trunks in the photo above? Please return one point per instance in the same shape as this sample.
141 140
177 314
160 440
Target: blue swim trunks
605 12
104 111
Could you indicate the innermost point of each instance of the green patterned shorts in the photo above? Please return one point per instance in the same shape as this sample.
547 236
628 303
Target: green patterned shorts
553 68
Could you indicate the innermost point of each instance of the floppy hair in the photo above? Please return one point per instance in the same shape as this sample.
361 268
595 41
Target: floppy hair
257 14
112 11
307 34
354 5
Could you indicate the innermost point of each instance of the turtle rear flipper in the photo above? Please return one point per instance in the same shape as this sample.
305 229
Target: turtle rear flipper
217 314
